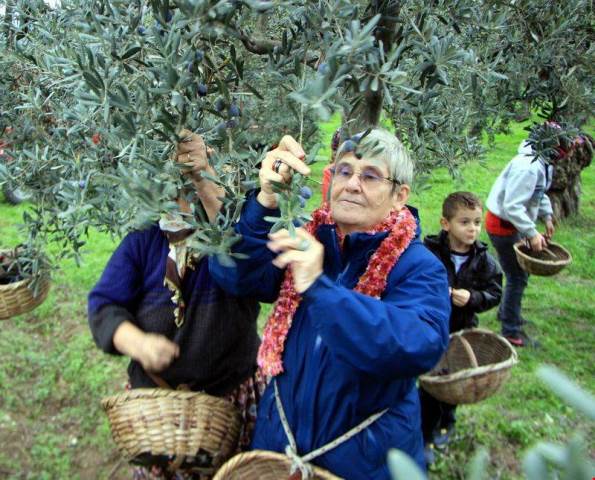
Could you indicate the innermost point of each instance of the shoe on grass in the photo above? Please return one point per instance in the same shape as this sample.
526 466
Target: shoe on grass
522 340
444 435
429 454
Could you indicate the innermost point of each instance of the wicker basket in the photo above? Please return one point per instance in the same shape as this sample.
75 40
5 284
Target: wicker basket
17 298
475 366
264 465
173 428
545 263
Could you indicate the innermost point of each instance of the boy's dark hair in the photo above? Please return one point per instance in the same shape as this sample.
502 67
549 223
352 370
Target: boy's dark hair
458 200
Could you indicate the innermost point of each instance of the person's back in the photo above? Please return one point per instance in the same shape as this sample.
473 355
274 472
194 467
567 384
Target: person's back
517 199
519 195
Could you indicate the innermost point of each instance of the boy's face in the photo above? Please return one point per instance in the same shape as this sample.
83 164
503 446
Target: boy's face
463 229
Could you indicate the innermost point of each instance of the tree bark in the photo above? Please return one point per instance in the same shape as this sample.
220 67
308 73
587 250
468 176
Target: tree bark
8 18
366 113
259 46
565 191
522 111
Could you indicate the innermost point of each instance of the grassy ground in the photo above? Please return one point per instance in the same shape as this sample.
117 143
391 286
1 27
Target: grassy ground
52 376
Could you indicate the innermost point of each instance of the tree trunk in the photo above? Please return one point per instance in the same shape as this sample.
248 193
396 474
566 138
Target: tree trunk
8 19
522 111
565 191
367 112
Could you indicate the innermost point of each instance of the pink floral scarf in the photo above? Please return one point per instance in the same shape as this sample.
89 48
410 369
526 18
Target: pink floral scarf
402 227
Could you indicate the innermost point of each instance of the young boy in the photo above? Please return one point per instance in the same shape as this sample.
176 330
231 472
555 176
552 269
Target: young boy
475 282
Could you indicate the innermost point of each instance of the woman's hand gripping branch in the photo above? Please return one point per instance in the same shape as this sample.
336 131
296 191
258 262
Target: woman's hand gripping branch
302 253
278 166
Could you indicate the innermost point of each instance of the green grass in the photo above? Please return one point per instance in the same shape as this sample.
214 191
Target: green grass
52 376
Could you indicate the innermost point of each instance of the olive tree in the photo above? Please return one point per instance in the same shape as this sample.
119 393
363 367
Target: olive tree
114 82
546 53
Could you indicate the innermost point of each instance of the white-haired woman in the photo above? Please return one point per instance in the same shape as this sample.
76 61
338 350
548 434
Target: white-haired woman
361 310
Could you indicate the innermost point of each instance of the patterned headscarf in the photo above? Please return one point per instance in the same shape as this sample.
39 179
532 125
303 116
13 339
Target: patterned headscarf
179 259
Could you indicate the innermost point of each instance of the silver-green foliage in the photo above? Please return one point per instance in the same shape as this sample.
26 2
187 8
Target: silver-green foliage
110 84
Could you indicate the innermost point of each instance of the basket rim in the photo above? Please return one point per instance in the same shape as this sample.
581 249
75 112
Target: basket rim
549 263
112 401
268 455
22 283
473 372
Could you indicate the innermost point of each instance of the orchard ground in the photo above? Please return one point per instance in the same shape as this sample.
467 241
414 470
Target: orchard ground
52 376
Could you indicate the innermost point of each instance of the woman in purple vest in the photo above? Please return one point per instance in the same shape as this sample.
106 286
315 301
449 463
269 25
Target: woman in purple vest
157 304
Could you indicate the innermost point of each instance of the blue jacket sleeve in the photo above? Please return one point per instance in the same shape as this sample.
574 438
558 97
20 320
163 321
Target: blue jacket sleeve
112 300
402 335
253 275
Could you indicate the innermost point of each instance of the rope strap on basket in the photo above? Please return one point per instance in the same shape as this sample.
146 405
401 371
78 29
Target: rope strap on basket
301 462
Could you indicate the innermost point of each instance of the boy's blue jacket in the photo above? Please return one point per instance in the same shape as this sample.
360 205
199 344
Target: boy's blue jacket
347 355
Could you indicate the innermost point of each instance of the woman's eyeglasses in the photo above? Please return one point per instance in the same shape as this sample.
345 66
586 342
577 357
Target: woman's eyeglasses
369 176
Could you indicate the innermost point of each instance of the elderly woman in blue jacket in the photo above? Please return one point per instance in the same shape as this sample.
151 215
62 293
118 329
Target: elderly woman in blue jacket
362 309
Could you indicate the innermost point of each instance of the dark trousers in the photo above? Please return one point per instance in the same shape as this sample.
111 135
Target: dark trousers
509 312
434 415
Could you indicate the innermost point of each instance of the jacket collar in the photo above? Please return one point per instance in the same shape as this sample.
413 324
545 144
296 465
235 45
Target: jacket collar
440 242
363 239
357 246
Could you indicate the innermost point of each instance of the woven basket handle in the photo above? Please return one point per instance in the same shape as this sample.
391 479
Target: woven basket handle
163 384
550 253
159 381
469 351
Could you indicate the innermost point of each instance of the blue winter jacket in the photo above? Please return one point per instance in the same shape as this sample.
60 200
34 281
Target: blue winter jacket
347 355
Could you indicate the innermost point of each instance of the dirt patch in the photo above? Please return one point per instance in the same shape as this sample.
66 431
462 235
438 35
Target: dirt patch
503 459
94 464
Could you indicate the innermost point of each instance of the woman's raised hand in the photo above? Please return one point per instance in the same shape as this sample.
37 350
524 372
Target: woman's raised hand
278 166
193 153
